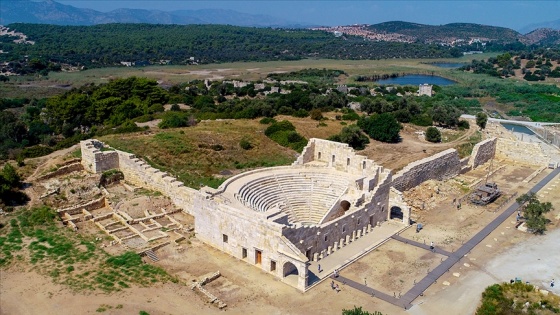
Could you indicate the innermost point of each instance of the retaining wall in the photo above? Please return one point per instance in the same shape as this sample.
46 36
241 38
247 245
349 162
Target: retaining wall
441 166
483 152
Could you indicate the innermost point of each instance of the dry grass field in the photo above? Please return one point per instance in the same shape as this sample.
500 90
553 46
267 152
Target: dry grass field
209 152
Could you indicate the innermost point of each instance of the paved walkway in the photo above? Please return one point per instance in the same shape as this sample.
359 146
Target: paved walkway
352 252
436 249
405 300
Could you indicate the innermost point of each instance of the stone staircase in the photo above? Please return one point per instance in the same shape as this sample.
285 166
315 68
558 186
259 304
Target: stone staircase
150 253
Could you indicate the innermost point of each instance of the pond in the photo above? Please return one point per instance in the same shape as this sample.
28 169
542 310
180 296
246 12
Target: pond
448 65
518 128
416 79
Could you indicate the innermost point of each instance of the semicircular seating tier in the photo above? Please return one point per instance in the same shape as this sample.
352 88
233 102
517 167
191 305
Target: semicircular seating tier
306 196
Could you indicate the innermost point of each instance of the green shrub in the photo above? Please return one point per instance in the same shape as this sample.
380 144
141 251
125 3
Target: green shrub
351 115
283 125
36 151
316 114
245 144
463 125
301 113
284 133
353 136
433 134
174 120
267 121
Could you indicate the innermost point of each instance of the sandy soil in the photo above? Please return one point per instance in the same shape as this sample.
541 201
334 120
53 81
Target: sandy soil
393 267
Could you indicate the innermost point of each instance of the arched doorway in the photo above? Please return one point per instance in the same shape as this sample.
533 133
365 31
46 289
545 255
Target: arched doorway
396 213
289 269
345 205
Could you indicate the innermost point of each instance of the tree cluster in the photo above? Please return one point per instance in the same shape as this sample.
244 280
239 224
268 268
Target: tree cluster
381 127
10 182
109 44
353 136
533 212
285 134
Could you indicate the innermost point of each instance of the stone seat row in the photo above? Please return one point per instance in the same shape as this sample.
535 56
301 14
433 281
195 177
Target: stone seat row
272 185
263 198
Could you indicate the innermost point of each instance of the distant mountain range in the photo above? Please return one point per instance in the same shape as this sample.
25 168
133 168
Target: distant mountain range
52 12
449 33
555 25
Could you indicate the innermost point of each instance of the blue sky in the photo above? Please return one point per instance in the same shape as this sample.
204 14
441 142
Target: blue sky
512 14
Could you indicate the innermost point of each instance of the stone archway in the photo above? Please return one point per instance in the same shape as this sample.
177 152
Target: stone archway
289 269
396 213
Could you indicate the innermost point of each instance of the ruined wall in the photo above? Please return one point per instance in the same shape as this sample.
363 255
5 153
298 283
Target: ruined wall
317 239
337 155
483 152
96 161
525 152
441 166
139 173
88 206
136 172
66 169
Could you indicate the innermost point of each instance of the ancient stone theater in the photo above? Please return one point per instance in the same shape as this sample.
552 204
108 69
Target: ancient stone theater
280 219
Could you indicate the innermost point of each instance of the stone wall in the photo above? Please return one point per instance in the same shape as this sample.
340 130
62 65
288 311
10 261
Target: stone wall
337 155
441 166
525 152
139 173
88 206
243 232
483 152
95 160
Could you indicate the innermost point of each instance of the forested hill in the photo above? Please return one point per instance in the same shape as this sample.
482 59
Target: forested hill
437 33
109 44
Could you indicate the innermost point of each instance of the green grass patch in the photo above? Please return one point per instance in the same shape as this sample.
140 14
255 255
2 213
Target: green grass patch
69 258
191 156
512 298
465 149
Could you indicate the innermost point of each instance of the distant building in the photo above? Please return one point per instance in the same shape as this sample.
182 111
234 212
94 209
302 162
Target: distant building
425 89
